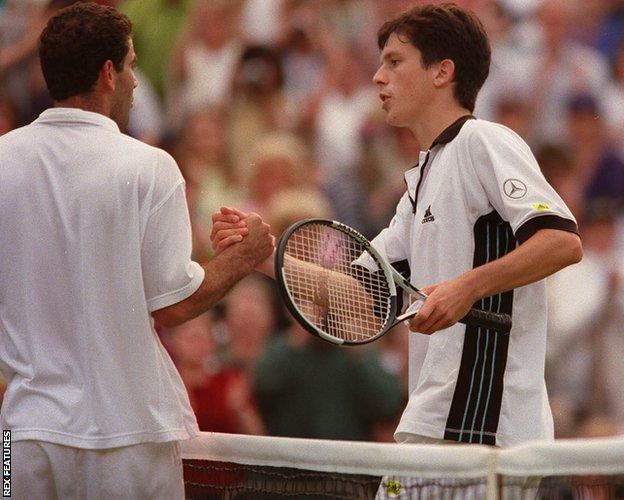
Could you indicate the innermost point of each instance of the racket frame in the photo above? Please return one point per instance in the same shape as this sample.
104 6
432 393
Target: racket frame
389 273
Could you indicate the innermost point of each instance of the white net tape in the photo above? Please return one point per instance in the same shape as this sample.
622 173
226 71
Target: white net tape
452 462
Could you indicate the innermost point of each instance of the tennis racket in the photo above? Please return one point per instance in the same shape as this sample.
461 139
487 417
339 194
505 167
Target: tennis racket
339 288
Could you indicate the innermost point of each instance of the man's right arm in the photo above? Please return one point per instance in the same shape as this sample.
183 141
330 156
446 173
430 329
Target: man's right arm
221 273
229 227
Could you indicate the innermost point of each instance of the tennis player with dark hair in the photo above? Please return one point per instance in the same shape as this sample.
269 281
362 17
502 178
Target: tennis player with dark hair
95 245
479 224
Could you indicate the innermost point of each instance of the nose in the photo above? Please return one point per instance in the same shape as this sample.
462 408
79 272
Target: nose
379 78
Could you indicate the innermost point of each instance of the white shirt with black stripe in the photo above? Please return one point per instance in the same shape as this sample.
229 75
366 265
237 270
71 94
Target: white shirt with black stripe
475 195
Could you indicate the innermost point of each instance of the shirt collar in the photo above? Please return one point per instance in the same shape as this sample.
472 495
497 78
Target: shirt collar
450 132
76 115
447 135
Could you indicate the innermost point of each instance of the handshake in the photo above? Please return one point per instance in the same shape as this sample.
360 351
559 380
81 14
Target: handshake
245 236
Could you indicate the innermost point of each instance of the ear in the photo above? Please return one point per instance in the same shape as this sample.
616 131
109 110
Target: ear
107 76
445 73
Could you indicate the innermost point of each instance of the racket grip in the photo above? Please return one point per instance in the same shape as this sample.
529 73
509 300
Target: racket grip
485 319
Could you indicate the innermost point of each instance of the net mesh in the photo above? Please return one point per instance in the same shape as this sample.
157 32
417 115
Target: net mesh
325 274
208 479
221 466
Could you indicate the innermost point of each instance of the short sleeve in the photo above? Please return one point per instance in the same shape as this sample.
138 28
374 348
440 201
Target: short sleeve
169 273
514 184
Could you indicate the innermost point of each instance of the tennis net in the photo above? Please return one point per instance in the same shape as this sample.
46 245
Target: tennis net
227 466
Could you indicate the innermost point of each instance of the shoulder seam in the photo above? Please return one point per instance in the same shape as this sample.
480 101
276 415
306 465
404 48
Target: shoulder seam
165 198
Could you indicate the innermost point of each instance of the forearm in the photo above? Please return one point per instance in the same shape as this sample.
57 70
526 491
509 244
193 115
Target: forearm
545 253
268 266
221 273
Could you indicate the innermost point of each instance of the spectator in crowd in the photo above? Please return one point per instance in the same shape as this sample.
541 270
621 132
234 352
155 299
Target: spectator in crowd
205 58
250 318
514 112
219 394
598 163
262 21
601 25
342 112
561 68
585 336
258 105
20 25
561 172
304 43
157 25
278 161
147 118
205 164
614 101
293 204
506 86
307 388
385 153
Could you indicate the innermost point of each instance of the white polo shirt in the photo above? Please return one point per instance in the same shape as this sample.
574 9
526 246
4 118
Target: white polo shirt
474 196
95 235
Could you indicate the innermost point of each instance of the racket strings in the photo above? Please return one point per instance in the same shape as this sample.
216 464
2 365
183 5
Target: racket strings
330 290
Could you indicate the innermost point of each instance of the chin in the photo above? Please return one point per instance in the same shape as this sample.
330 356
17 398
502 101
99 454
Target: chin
394 120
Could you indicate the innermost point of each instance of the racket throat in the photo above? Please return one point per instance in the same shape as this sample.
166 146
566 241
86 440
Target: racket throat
412 310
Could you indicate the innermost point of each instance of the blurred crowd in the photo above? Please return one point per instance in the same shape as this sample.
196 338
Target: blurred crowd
268 106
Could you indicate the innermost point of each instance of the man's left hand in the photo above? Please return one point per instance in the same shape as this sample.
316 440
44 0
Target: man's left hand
446 304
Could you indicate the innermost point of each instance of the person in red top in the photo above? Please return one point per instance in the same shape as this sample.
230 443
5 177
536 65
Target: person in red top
220 395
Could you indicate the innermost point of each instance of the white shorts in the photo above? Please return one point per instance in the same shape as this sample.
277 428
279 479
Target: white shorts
45 471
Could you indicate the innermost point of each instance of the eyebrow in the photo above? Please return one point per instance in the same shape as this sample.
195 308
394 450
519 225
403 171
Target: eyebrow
389 55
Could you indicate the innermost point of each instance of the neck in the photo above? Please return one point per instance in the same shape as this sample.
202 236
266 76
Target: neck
86 103
434 120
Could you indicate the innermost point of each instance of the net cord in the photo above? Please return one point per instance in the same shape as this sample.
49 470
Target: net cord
563 457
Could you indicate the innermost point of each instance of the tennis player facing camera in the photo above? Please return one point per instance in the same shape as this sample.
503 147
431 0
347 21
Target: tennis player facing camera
478 224
95 243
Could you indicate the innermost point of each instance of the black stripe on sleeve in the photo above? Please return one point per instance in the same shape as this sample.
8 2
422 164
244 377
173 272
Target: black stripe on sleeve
532 226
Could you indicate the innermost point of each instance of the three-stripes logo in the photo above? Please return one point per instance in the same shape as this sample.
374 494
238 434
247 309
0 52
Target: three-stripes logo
428 217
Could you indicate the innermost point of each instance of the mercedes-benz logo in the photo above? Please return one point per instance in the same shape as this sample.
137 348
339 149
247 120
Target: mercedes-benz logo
514 189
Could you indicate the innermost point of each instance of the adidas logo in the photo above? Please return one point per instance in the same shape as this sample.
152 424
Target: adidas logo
428 216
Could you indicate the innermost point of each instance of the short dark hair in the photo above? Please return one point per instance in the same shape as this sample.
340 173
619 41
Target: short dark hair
75 44
257 62
446 31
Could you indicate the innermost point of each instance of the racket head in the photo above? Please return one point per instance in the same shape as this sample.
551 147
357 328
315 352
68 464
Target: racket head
335 251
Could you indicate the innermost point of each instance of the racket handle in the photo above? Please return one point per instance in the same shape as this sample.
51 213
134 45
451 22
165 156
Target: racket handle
485 319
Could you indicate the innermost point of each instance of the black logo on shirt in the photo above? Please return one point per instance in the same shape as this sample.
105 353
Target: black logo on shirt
514 189
428 216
